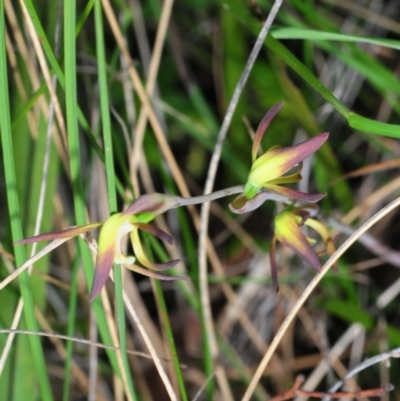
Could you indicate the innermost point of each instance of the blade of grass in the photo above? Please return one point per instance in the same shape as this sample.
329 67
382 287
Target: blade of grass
61 79
72 308
112 198
13 207
294 63
316 35
153 68
240 367
75 165
373 127
164 320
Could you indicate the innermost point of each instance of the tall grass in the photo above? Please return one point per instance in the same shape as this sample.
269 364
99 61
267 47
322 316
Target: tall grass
104 101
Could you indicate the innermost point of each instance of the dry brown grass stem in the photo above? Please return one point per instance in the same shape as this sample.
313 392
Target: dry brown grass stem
362 11
371 201
135 154
34 79
46 74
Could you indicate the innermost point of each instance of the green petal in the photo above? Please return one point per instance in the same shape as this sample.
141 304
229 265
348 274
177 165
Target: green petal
325 235
138 249
250 190
142 257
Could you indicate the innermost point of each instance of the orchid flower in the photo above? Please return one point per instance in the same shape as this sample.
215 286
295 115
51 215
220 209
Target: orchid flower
287 232
133 219
275 168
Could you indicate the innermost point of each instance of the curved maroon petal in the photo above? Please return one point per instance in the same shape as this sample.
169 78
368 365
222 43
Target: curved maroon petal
67 233
104 264
294 194
153 203
152 274
157 232
303 214
163 266
274 268
271 113
306 253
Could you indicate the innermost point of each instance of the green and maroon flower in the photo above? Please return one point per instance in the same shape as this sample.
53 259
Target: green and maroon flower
276 168
288 232
135 218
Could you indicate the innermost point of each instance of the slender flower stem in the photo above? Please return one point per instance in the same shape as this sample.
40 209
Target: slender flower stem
238 189
195 200
205 209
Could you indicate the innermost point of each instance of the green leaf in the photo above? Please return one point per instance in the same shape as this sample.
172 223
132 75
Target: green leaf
349 312
317 35
373 127
32 348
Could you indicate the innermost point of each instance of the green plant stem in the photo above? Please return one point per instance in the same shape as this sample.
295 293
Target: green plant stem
170 338
76 168
13 207
111 187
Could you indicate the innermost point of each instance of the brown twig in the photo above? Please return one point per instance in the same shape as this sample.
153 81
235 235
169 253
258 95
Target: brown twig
296 391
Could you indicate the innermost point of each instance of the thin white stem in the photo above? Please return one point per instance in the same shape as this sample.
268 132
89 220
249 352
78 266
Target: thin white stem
395 353
152 351
195 200
48 248
205 210
80 341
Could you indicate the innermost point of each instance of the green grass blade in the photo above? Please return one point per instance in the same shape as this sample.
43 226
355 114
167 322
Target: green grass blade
84 16
294 63
14 213
164 319
76 168
316 35
45 42
112 197
238 365
72 308
373 127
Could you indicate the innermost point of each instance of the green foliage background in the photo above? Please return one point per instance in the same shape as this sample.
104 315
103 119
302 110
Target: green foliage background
335 66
